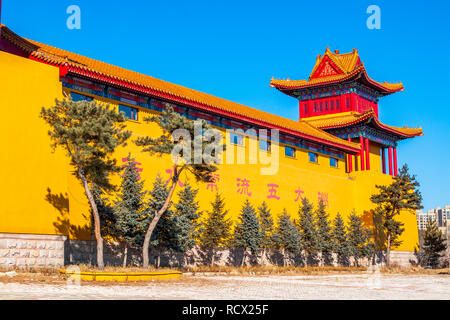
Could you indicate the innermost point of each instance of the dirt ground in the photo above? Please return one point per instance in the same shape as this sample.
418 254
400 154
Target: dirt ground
359 286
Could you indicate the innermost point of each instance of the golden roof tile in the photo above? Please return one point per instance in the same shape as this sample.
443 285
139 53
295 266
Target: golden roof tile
350 118
349 65
55 56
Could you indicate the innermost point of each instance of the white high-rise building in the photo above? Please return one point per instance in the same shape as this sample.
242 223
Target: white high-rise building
440 215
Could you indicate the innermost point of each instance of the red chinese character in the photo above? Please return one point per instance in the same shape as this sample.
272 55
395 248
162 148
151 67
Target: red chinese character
324 197
213 184
170 172
300 194
273 191
243 186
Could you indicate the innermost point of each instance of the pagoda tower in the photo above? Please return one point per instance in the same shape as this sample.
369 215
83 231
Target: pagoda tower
340 98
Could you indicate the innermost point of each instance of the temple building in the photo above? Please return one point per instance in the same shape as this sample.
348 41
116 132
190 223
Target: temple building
335 152
341 99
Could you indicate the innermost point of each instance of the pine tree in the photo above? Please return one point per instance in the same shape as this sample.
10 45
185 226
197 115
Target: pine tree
130 208
267 227
216 227
359 244
401 194
89 132
308 230
324 241
186 219
339 237
286 236
247 233
184 152
163 236
433 244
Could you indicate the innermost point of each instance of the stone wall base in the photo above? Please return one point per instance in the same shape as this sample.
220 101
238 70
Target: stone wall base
85 252
34 250
31 250
403 258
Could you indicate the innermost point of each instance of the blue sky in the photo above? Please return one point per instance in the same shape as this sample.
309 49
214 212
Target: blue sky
232 49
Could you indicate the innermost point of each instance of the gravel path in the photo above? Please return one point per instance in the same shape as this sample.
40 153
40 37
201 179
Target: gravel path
365 286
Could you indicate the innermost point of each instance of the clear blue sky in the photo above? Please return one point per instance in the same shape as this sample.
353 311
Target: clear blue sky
232 49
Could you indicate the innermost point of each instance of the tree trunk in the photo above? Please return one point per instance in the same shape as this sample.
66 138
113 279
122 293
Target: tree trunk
98 235
155 220
306 259
212 258
243 256
388 251
264 257
125 255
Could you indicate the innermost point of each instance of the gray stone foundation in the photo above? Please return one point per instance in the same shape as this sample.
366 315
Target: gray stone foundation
31 250
34 250
403 258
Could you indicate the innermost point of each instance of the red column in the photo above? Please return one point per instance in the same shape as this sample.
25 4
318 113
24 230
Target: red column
354 102
390 160
395 162
383 160
350 164
367 155
361 153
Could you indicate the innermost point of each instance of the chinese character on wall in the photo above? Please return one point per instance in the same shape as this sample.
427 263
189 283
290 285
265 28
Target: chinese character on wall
273 191
213 183
243 186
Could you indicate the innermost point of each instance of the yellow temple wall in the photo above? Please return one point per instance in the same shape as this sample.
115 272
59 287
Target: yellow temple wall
41 195
28 168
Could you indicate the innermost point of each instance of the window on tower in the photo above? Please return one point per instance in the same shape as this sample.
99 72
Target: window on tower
337 104
315 106
321 106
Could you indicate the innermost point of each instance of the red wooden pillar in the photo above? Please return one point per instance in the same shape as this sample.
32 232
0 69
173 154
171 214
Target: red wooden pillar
354 102
361 153
383 160
367 155
350 160
390 160
395 162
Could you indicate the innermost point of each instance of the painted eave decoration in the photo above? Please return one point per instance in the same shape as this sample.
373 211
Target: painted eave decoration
351 118
72 63
332 68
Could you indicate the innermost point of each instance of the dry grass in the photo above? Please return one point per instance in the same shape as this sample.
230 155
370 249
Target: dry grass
52 275
274 270
47 271
395 269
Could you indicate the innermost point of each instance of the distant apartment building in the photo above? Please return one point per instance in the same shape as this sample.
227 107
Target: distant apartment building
440 215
